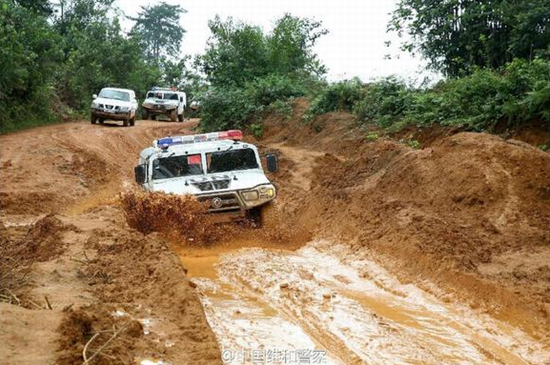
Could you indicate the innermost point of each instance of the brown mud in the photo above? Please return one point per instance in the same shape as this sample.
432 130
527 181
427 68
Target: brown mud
380 253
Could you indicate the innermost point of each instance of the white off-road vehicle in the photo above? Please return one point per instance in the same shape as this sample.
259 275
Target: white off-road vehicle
218 168
114 104
164 101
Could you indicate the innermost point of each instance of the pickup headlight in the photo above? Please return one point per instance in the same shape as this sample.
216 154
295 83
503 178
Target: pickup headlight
124 109
95 105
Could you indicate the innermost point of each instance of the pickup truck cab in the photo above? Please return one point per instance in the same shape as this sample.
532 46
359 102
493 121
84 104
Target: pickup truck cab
218 168
165 101
114 104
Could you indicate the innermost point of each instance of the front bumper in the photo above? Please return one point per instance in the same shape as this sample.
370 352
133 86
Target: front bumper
159 109
234 200
111 115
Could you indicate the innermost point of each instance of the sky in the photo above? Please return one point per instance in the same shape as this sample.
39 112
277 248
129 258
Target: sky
354 47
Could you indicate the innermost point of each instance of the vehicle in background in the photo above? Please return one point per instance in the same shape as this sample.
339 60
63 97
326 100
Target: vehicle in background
218 168
165 101
114 104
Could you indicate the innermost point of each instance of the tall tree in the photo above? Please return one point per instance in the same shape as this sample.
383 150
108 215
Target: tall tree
458 35
159 29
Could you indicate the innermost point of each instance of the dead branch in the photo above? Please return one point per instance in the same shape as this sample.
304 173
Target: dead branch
84 355
48 302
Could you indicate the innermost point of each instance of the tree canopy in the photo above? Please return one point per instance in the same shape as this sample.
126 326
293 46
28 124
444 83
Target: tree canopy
159 30
456 36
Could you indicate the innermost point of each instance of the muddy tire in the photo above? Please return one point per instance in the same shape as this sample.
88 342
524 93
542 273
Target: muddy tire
126 122
173 115
181 117
101 120
153 117
145 114
93 119
265 216
133 121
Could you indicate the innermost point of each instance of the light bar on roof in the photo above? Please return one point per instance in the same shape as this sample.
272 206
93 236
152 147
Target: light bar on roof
166 142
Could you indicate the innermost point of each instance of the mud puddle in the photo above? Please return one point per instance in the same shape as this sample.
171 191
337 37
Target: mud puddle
320 304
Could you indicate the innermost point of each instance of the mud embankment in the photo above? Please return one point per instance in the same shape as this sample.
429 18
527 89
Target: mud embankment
82 283
468 212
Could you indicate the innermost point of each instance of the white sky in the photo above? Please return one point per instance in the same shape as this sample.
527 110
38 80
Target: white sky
354 46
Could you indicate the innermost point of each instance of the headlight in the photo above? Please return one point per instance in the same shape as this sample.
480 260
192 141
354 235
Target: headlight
251 195
267 192
124 109
95 105
147 105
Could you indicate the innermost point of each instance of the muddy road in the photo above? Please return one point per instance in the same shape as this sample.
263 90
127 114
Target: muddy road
321 294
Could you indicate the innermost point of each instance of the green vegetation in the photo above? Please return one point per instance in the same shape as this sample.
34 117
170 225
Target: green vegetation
495 55
517 93
458 36
250 72
53 57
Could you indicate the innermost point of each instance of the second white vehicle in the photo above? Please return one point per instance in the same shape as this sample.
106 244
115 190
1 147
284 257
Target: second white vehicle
114 104
165 101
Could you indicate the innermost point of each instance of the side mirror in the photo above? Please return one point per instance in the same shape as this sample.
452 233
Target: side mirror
94 96
140 173
272 162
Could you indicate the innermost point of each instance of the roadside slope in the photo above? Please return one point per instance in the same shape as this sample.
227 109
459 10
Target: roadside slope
470 213
75 254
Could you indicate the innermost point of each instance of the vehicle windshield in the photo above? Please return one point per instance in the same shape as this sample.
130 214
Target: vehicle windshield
170 96
176 166
162 95
114 94
223 161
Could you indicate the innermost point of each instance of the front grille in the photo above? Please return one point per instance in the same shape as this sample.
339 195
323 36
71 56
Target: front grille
229 201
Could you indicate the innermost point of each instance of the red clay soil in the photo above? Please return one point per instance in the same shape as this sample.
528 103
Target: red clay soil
470 213
75 268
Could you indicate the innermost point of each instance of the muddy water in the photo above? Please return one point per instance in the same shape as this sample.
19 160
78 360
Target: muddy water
320 304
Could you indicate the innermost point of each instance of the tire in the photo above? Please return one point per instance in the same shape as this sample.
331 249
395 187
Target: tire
264 216
93 119
153 117
173 115
133 121
126 122
180 117
145 114
101 120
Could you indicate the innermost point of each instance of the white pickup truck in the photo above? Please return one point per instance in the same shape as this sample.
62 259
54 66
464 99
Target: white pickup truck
165 101
218 168
114 104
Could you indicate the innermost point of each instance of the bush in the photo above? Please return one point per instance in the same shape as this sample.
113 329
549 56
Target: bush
385 103
227 108
338 96
518 93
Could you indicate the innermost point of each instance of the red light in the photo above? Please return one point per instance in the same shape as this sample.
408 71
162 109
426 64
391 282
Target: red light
235 135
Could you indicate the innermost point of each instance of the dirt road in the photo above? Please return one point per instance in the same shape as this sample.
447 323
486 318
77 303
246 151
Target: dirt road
243 300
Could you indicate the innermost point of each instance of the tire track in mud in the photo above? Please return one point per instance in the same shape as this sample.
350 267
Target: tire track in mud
353 309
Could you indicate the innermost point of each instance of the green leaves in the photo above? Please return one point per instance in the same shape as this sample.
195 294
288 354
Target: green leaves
457 36
159 31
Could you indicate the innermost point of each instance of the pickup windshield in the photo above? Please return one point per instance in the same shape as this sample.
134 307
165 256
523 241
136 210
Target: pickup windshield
176 166
114 94
223 161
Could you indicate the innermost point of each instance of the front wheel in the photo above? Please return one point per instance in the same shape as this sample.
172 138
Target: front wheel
126 122
93 119
181 117
133 121
145 114
173 115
